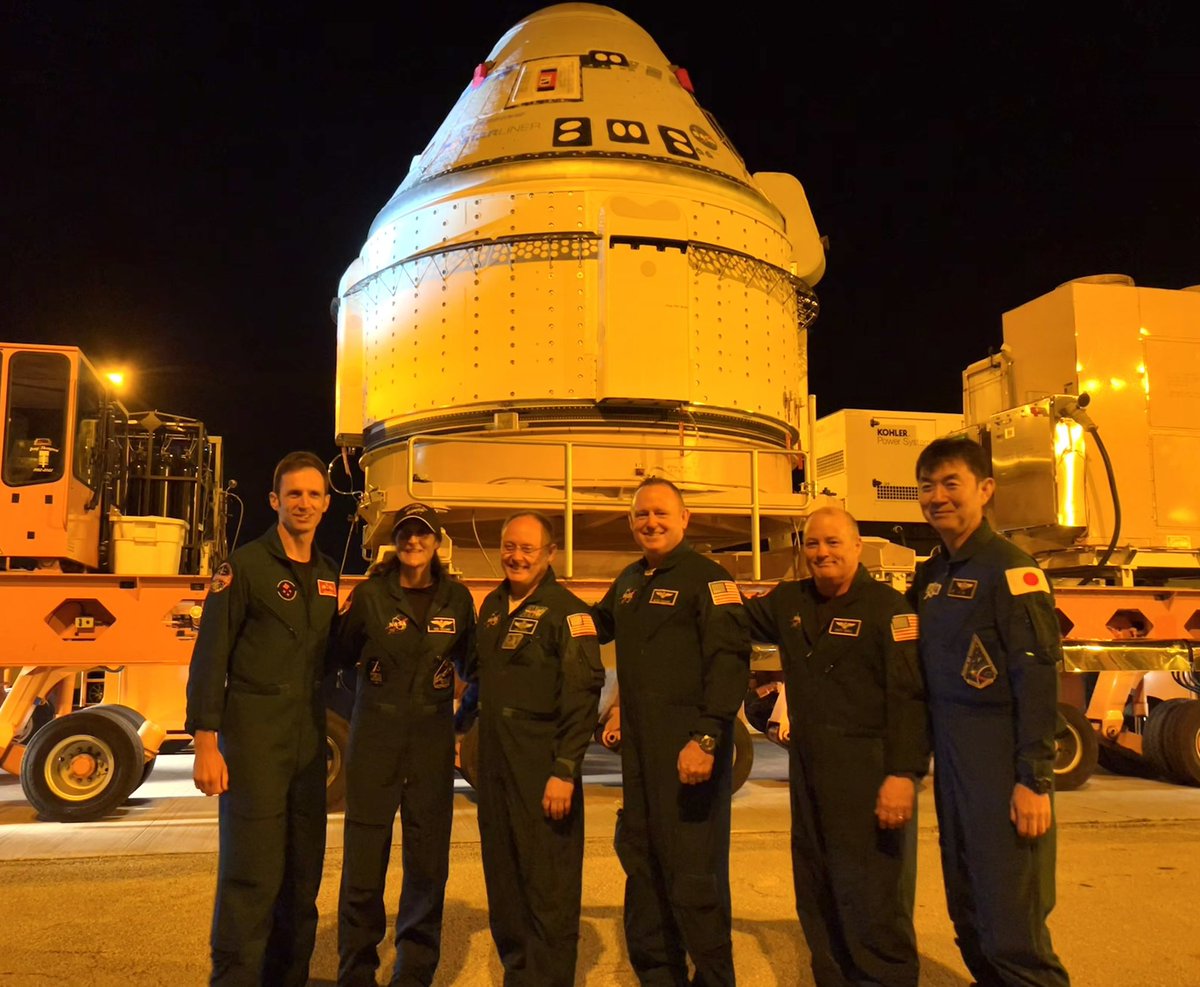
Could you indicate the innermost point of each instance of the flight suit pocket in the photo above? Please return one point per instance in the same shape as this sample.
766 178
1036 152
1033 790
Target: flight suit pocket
979 669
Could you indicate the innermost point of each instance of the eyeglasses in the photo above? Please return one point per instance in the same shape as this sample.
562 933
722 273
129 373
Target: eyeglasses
407 531
529 551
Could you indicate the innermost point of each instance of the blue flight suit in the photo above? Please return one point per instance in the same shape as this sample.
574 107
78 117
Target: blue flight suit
857 711
255 677
540 677
683 665
990 649
400 756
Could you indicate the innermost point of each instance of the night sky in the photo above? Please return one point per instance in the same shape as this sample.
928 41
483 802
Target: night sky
183 188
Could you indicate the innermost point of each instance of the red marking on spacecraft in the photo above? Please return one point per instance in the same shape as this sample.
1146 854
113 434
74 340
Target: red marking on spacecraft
547 80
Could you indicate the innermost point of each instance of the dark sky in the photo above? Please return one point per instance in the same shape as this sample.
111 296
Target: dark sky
184 183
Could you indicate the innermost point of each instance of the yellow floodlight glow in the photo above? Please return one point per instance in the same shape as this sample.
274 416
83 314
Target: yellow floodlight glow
116 378
1141 368
1092 384
1143 331
1068 452
1117 383
1078 367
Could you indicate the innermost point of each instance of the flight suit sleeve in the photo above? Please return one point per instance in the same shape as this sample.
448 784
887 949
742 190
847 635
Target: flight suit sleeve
760 616
220 624
582 679
604 617
725 649
1029 634
907 750
348 635
464 654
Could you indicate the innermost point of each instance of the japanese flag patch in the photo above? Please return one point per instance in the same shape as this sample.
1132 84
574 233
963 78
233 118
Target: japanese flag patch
904 627
724 591
1028 579
581 625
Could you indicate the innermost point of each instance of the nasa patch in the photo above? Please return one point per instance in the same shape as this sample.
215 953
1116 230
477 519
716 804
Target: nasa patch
398 624
221 578
286 590
492 620
845 627
664 597
628 595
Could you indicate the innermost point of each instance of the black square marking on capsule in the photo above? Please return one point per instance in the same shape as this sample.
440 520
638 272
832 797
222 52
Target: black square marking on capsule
604 60
572 132
627 132
678 142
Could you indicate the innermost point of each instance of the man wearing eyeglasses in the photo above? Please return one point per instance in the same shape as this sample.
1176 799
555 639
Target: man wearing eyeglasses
539 674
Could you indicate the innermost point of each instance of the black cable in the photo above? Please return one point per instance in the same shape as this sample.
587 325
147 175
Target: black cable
1112 486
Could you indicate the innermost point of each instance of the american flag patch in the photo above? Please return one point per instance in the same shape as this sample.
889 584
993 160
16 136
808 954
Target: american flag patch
724 591
904 627
581 625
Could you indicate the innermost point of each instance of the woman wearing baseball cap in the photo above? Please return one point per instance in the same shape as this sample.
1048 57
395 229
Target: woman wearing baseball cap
409 628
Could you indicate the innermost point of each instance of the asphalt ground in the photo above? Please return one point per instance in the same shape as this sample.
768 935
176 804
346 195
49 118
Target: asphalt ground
127 900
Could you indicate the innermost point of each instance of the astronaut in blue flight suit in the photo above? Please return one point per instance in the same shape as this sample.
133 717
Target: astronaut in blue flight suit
989 648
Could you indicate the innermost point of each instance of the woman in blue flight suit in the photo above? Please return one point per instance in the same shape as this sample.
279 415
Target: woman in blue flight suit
408 629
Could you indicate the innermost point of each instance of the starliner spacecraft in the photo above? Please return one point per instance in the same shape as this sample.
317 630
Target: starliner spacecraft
579 284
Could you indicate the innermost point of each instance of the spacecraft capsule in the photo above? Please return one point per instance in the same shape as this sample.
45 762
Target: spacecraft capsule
579 253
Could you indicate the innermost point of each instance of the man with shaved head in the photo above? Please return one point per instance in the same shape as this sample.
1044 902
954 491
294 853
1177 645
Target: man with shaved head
858 745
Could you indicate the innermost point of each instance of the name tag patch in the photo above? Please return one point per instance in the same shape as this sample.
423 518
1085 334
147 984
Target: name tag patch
523 625
512 641
845 627
442 625
724 591
535 610
326 587
962 589
581 625
664 597
286 590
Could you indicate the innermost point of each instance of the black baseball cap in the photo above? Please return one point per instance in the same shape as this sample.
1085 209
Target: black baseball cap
418 512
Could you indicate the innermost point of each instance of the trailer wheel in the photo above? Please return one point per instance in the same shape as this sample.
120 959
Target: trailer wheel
1156 742
337 742
743 753
468 754
1182 742
1076 749
81 766
135 720
1122 761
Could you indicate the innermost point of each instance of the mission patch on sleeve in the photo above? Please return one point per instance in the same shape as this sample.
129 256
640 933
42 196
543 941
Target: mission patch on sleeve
1027 579
581 625
724 591
221 578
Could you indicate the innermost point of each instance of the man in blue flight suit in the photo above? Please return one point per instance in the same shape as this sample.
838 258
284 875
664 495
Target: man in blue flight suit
990 648
683 653
859 741
255 711
539 683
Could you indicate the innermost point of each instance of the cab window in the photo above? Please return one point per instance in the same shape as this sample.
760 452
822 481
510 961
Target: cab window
35 418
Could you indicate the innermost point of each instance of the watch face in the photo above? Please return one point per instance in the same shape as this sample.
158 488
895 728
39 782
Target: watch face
707 744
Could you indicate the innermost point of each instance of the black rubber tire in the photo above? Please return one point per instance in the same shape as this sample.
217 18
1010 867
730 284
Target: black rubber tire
1155 738
135 720
1076 749
59 796
468 755
1181 742
743 753
337 743
1122 761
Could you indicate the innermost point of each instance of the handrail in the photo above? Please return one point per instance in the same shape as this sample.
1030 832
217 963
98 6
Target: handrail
571 500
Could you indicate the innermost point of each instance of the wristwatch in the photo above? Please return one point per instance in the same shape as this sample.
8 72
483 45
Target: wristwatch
706 742
1041 786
